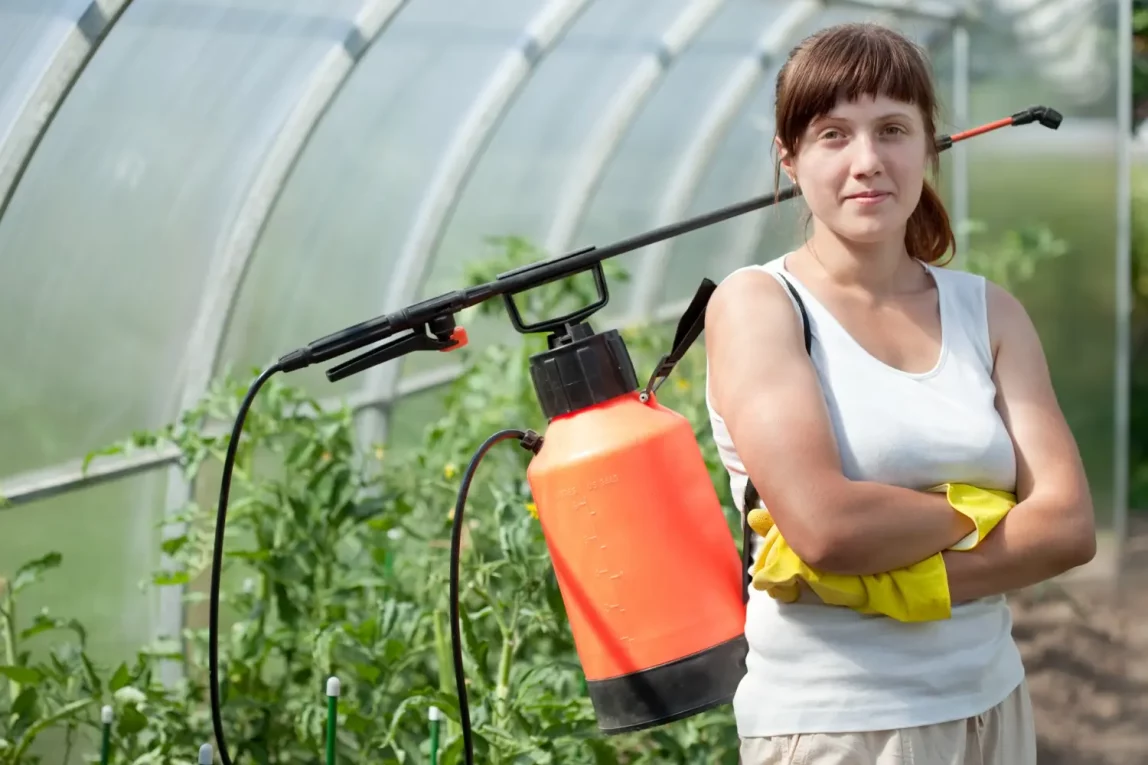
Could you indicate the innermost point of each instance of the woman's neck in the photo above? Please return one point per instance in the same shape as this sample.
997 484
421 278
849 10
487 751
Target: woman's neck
879 268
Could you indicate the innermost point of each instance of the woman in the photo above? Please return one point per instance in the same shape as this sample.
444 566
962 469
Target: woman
917 376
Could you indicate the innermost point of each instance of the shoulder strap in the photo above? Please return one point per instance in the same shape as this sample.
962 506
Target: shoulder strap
690 326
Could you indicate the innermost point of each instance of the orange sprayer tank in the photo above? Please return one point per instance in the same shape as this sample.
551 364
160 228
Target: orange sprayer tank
648 570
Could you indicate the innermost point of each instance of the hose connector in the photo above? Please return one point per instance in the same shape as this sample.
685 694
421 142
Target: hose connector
531 441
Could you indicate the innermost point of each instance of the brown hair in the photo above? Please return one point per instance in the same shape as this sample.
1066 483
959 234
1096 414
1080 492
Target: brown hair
850 60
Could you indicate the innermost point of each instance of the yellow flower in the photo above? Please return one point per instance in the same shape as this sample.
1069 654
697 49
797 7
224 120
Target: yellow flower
449 470
682 383
532 509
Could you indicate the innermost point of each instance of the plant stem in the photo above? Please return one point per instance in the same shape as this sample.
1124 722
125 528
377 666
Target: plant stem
445 663
68 744
505 662
8 626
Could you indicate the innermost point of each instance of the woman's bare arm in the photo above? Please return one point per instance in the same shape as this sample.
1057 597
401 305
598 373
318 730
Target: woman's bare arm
1051 528
764 386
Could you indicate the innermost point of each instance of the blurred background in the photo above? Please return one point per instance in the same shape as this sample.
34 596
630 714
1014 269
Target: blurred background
191 188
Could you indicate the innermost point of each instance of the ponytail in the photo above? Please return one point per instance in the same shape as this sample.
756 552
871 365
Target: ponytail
929 234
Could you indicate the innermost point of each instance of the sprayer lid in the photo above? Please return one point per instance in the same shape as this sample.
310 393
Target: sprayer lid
582 369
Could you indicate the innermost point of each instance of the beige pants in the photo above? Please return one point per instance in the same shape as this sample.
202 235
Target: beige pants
1004 735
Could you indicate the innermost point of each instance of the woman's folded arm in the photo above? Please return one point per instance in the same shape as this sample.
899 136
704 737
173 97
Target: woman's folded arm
764 386
1051 529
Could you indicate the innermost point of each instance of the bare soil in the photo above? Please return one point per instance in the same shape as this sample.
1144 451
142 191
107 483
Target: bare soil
1085 647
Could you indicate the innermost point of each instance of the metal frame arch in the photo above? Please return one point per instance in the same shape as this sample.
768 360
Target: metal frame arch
230 265
438 202
714 126
624 107
64 69
231 262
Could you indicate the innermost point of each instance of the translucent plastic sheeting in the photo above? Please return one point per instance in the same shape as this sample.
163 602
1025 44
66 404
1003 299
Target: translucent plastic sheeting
332 242
628 197
742 167
105 247
109 544
517 185
30 33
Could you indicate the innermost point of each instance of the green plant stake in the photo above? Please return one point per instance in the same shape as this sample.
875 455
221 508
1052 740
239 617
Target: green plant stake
435 715
332 716
106 734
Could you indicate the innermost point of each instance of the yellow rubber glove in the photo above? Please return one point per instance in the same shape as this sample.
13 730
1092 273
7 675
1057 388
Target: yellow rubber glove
916 593
984 507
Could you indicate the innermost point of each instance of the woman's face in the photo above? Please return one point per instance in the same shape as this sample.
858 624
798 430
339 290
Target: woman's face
861 168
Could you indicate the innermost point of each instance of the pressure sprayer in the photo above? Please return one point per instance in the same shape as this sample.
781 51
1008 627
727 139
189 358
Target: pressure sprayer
651 578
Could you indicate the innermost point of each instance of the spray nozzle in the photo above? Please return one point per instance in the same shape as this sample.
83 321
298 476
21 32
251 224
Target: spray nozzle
1046 116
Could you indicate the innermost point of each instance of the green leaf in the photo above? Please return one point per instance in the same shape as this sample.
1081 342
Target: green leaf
31 571
65 712
129 721
121 678
95 684
171 578
602 752
25 704
22 675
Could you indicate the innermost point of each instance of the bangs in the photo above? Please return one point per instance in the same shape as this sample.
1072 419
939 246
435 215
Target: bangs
845 63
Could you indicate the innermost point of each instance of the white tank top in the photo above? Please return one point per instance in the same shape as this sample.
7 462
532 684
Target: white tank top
814 668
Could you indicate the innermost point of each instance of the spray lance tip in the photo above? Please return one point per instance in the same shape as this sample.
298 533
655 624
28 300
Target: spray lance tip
1045 115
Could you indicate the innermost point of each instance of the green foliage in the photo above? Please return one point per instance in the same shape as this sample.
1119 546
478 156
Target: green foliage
1140 59
1012 257
1138 414
337 564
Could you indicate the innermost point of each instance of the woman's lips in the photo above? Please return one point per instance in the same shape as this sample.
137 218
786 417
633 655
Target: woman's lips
869 197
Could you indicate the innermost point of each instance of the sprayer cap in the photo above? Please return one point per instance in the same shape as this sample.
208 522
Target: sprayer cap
582 369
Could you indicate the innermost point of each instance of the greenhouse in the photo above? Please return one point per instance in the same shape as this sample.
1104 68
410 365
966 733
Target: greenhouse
226 181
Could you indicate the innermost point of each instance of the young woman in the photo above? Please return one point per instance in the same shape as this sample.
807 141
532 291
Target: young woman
918 376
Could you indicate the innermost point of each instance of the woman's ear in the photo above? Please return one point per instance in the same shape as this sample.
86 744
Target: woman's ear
785 160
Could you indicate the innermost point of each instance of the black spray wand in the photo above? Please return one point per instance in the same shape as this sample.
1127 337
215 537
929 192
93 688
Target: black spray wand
436 314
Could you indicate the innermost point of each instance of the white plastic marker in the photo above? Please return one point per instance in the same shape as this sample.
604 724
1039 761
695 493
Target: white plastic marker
434 714
106 717
332 716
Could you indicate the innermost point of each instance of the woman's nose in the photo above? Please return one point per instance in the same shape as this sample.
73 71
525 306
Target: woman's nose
866 159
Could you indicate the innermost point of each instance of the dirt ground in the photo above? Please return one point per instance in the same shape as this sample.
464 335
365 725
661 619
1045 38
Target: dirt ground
1085 646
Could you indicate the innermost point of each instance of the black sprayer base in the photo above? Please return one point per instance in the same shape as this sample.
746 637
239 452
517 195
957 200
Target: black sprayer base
669 692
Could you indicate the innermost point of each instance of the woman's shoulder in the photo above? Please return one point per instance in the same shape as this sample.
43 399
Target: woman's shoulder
749 291
751 306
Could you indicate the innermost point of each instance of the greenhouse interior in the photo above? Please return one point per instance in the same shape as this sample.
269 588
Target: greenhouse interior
281 170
